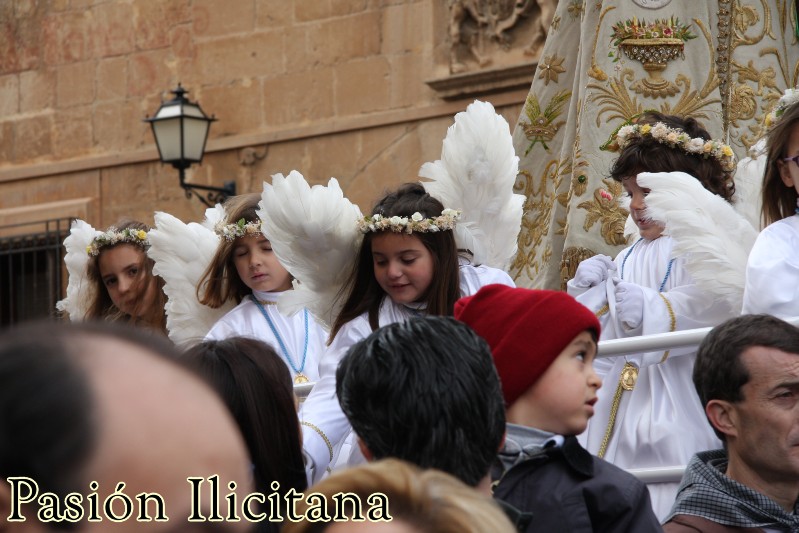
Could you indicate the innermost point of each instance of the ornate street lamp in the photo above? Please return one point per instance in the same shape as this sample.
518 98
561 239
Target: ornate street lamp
181 128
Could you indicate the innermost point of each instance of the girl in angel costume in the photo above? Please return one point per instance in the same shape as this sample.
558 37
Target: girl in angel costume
241 270
773 267
360 273
111 277
684 271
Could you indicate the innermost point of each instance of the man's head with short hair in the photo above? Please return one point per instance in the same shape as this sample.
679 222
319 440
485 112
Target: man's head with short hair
108 404
425 391
747 376
719 371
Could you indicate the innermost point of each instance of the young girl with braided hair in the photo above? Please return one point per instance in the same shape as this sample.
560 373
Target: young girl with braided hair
679 184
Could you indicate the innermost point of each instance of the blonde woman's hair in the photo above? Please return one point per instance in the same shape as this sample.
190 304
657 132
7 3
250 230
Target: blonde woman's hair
428 501
220 281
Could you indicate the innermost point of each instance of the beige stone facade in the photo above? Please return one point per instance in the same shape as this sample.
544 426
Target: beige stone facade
327 87
362 90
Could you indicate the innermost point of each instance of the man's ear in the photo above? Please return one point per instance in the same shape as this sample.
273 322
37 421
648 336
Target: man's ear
365 451
723 416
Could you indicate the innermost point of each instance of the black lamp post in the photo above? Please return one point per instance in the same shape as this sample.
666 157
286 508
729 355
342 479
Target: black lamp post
181 129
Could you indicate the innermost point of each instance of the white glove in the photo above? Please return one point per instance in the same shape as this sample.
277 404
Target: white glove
629 303
593 271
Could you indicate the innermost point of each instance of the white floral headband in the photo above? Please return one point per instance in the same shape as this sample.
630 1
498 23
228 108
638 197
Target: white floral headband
231 232
114 236
416 223
788 98
677 138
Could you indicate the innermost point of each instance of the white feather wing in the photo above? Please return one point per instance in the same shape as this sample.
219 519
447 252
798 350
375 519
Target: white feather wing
749 182
181 253
713 237
314 234
80 292
476 175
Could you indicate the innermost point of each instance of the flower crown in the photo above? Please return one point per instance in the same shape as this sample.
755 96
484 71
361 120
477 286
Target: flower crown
417 222
241 228
114 236
788 98
674 138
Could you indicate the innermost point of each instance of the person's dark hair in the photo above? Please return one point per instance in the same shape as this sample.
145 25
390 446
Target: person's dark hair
645 154
256 386
102 308
425 391
48 427
362 292
220 282
779 200
719 373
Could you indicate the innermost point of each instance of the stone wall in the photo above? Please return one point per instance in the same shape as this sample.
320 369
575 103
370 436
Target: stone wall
344 88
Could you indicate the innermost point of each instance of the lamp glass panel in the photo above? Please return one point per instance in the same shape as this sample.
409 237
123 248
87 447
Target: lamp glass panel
167 136
195 131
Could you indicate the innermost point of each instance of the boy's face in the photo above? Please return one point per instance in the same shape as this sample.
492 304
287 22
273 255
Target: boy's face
563 398
647 228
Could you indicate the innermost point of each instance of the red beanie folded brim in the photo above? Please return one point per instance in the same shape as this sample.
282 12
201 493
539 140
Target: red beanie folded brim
526 329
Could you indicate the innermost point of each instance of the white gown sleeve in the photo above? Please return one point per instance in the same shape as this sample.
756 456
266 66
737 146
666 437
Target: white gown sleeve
324 425
772 272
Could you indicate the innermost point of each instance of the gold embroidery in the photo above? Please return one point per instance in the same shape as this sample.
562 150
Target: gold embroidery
602 311
542 126
550 67
604 207
536 218
596 72
570 261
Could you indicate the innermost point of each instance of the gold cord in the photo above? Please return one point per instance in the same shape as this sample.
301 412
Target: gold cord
672 323
321 434
602 310
626 383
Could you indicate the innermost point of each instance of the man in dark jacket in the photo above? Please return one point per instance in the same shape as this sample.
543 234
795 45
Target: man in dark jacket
747 376
543 344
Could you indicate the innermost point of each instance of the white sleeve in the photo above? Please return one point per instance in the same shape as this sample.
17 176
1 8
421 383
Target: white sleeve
772 273
324 426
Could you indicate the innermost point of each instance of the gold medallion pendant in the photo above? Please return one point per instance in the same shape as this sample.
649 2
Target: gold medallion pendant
300 378
629 375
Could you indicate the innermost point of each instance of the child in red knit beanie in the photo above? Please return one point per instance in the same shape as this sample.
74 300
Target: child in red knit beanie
543 344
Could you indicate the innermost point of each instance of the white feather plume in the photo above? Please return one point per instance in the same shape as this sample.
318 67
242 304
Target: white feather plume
749 182
714 238
476 175
181 253
80 291
314 234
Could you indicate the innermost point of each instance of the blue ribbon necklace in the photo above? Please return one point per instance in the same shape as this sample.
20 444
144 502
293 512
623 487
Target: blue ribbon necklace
668 269
300 377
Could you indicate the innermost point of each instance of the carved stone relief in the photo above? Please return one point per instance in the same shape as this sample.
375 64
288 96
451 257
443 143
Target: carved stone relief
489 45
482 31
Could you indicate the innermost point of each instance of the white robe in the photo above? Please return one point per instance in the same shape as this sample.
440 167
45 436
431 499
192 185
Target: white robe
246 320
772 272
661 422
321 408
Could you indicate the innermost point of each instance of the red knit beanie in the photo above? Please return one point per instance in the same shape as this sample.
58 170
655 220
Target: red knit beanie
526 330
